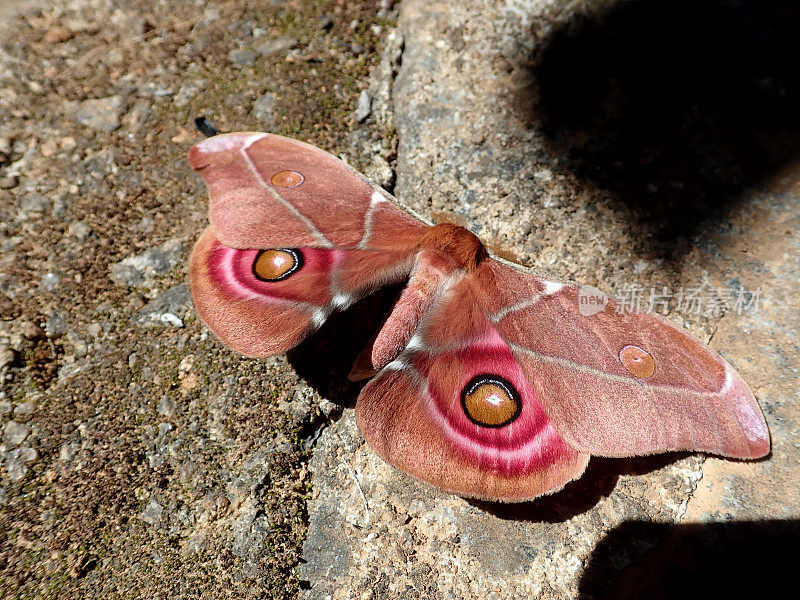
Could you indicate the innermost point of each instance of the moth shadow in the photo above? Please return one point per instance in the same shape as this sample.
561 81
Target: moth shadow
659 561
673 106
325 358
580 495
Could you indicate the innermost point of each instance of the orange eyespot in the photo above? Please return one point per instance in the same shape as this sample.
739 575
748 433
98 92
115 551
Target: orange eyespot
287 179
491 401
277 264
639 363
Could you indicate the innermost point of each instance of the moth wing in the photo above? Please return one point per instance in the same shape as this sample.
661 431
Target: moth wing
431 412
259 317
273 193
268 191
616 382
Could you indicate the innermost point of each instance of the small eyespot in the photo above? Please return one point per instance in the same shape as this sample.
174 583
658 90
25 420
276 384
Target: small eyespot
276 264
287 179
491 401
638 362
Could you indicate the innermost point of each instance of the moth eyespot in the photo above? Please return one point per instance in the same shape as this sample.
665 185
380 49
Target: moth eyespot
287 179
491 401
639 363
276 264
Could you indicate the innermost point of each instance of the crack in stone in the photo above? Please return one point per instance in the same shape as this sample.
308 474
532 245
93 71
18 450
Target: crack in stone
684 506
395 63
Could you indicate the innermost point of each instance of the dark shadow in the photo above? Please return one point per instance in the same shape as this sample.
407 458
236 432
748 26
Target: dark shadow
325 358
674 106
579 496
731 560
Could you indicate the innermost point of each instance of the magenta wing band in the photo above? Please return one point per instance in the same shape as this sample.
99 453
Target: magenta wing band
262 317
254 317
459 413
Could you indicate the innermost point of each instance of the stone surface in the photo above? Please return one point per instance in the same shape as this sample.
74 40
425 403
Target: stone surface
18 461
262 109
242 56
56 324
155 462
7 356
277 45
175 301
35 203
364 107
102 114
187 91
140 269
15 433
470 149
81 231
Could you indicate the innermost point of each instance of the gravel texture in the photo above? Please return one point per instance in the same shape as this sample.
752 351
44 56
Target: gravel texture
138 457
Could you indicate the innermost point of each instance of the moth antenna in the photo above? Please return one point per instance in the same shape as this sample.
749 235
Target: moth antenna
508 255
205 127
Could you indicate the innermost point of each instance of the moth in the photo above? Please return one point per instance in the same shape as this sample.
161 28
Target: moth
486 381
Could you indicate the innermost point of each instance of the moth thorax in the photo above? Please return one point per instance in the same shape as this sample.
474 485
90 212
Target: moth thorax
456 242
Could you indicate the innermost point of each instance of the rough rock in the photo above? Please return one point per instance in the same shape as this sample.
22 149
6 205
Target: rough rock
79 230
24 409
58 34
145 473
242 56
18 460
35 203
262 109
50 282
140 270
8 183
101 114
364 107
56 324
15 433
467 148
8 356
152 512
276 45
188 91
139 116
174 301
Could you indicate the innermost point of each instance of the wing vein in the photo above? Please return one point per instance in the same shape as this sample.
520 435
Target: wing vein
507 310
565 362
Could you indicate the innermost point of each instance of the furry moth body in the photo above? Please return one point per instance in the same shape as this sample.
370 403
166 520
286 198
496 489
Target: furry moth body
486 380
